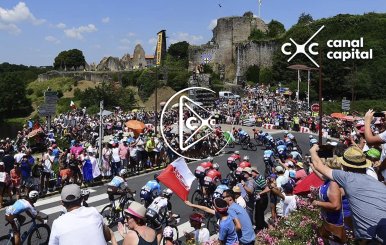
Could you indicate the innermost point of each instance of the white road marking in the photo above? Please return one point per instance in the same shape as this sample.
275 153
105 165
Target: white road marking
53 199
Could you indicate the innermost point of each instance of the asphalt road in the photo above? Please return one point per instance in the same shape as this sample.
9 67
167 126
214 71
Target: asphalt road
98 197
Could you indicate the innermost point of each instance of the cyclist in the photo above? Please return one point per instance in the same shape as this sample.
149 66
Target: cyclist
159 211
269 159
224 185
313 141
245 163
13 213
282 151
150 190
243 136
288 137
207 165
214 173
117 185
296 155
235 156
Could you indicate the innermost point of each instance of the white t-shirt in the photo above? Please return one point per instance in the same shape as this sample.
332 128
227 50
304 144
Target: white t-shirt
18 157
370 171
201 236
115 155
240 201
80 226
289 204
383 146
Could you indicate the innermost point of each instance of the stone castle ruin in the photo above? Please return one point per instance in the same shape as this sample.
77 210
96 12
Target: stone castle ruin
230 53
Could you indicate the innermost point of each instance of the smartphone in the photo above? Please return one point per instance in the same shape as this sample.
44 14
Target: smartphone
379 114
326 151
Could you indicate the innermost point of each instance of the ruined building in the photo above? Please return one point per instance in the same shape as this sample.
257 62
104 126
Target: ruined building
230 53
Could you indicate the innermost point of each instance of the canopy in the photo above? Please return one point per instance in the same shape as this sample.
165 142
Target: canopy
135 124
134 110
304 186
105 113
338 115
35 132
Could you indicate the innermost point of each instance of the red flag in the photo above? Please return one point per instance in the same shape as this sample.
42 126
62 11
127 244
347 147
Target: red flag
72 105
304 186
178 177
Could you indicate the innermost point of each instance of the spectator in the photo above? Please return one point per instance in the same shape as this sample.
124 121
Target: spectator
240 217
138 232
48 159
200 234
238 198
249 186
261 203
106 160
115 160
227 231
16 180
365 194
5 184
79 224
288 199
26 174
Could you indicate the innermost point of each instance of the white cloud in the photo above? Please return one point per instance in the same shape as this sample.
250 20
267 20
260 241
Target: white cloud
61 25
106 20
183 36
212 24
52 39
152 41
76 33
19 13
125 41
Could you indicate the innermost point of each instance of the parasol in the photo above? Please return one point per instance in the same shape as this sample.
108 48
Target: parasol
338 115
35 132
304 186
135 124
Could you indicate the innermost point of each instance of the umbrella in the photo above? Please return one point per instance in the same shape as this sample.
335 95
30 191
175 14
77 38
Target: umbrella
304 186
175 105
338 115
134 110
348 118
135 124
35 132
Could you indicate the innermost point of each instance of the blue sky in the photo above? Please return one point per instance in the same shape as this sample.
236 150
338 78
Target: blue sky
33 32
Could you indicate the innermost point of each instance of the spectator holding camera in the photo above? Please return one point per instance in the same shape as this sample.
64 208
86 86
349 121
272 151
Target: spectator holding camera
365 194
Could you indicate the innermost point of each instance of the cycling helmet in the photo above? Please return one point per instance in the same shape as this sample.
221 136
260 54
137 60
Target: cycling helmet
310 136
167 193
374 153
33 195
286 132
224 181
237 152
196 217
156 176
168 232
216 166
246 158
266 134
84 192
294 149
210 159
122 172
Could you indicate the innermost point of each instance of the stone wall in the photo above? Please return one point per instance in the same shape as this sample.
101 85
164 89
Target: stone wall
94 76
221 52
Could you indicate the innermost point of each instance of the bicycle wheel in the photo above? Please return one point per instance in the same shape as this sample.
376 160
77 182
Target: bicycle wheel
211 224
109 216
244 146
197 197
253 146
6 240
39 235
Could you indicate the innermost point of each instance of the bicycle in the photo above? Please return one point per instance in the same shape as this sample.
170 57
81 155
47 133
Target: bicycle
36 234
249 145
112 213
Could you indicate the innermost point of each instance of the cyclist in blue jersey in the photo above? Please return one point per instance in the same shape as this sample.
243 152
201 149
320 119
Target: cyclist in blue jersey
221 188
296 155
313 141
13 213
242 135
150 190
118 185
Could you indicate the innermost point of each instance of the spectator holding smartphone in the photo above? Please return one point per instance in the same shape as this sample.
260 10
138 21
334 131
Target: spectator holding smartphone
371 139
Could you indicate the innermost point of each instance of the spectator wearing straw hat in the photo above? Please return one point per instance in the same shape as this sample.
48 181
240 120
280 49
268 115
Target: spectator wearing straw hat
365 194
239 199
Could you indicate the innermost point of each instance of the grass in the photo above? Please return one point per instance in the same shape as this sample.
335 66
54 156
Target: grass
35 90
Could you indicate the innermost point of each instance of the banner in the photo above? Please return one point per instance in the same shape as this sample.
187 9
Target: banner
178 177
161 47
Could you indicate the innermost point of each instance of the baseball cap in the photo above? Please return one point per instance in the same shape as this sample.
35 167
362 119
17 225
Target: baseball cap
70 193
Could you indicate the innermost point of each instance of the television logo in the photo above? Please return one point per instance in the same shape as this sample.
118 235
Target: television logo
309 49
195 124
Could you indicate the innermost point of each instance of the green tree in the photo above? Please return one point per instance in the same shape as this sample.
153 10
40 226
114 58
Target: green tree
275 29
252 74
13 99
257 35
68 59
179 50
265 76
305 18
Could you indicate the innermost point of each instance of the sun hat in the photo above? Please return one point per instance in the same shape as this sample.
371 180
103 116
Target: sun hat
247 170
374 153
236 189
70 193
136 209
254 169
300 164
354 157
279 169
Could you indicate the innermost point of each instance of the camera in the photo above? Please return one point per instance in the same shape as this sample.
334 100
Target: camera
326 151
379 114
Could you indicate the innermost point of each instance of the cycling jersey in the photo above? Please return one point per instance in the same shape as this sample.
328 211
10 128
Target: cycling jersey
280 142
116 181
268 153
159 203
152 186
235 157
242 133
290 136
296 155
19 207
244 164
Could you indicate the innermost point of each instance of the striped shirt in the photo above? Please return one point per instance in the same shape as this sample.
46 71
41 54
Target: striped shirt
260 183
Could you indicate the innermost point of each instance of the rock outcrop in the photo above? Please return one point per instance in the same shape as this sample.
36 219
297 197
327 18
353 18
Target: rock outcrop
139 60
109 64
